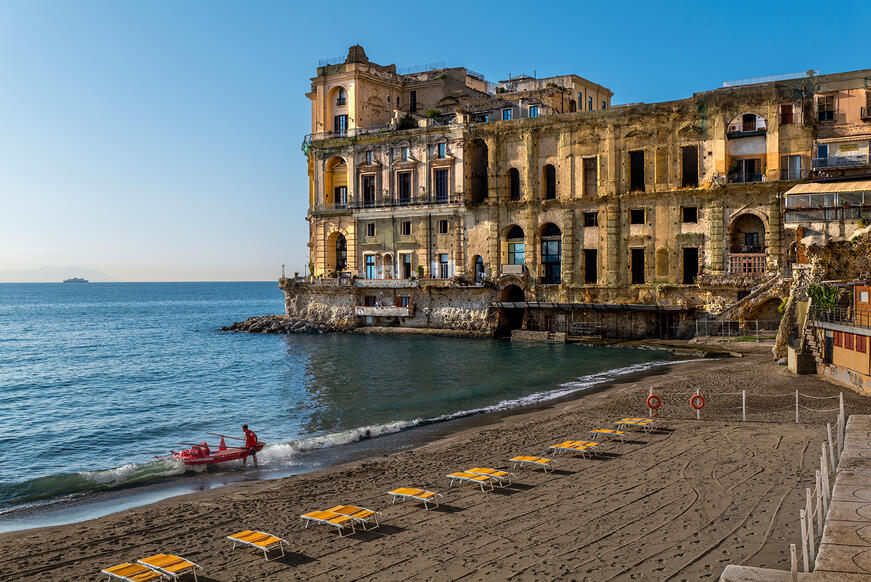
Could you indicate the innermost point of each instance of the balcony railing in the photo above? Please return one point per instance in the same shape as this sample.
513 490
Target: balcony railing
842 315
340 102
363 310
747 264
840 161
742 177
793 174
826 214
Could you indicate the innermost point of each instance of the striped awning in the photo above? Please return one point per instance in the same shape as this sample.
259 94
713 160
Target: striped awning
830 187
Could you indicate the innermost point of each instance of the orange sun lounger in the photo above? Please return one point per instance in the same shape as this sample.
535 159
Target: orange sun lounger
473 478
332 518
540 462
608 432
132 573
404 493
496 474
359 514
170 566
259 540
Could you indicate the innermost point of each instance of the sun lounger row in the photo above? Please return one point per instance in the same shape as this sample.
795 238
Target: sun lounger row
344 516
155 567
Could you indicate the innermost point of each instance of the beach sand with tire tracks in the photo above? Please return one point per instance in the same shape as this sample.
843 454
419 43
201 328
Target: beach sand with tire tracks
679 503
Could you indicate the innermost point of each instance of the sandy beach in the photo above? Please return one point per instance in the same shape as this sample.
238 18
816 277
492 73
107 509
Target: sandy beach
677 504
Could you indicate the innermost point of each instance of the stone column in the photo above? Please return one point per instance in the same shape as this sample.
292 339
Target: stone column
459 246
613 248
494 185
611 182
494 258
774 235
568 256
717 240
529 182
530 241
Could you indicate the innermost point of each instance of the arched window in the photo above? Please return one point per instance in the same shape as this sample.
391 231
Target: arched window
513 185
549 182
516 247
551 253
341 252
477 156
340 97
479 269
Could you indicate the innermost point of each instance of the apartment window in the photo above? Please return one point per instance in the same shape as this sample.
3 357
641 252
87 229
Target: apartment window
636 171
748 122
443 265
861 345
368 190
370 268
413 101
513 185
441 150
838 339
340 196
637 264
403 301
849 341
443 226
405 228
591 219
786 112
790 167
406 265
397 101
823 151
636 216
403 154
367 158
404 187
340 124
589 103
826 108
370 229
690 265
603 106
591 274
369 300
441 185
340 97
690 214
689 166
506 114
549 182
533 110
591 176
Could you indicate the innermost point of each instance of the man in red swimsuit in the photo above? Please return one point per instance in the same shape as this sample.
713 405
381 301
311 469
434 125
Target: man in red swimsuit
250 444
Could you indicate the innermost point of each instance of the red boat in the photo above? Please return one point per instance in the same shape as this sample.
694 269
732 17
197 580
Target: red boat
204 454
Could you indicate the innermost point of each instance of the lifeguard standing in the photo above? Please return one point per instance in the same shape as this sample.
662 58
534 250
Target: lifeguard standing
250 444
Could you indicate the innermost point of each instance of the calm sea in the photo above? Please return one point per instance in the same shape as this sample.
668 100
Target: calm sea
97 379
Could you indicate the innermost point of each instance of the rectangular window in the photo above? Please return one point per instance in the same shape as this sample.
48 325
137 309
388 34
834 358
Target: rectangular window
591 274
404 187
370 269
591 219
506 114
838 339
533 110
690 265
861 345
403 300
370 229
589 103
689 167
636 171
406 265
443 226
368 190
604 106
340 124
637 260
367 158
413 101
441 150
786 114
849 341
403 154
636 216
405 228
790 167
369 300
340 196
441 185
443 266
690 214
515 253
591 176
826 108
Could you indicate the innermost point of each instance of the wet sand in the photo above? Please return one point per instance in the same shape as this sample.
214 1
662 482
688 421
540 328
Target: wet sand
677 504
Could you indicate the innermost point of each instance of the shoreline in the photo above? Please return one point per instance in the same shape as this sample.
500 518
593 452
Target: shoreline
189 525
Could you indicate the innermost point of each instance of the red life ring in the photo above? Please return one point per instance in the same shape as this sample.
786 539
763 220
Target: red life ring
654 402
697 401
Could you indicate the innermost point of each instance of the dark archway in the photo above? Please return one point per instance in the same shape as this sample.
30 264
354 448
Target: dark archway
747 234
341 253
513 185
477 162
510 317
551 253
549 182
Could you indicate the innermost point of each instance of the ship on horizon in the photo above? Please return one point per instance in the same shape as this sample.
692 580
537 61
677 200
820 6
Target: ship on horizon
75 280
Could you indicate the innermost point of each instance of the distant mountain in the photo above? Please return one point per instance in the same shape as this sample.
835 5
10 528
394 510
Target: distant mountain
53 275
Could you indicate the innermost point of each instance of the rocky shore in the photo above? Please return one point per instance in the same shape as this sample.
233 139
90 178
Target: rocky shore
278 324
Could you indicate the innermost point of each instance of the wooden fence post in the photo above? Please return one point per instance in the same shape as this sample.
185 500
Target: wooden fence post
831 447
698 410
796 406
793 564
743 405
827 492
820 496
809 511
804 555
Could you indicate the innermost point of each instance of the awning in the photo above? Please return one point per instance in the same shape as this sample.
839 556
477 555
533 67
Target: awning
830 187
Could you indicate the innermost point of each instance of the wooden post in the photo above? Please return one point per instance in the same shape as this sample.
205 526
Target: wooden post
841 430
819 504
796 406
841 405
804 554
793 564
825 475
809 511
743 405
831 447
698 410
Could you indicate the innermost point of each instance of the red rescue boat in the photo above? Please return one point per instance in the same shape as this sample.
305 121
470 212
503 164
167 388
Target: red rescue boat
205 454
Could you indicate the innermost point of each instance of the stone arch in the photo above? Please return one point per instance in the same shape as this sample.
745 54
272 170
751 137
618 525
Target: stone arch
510 317
747 121
387 265
477 164
335 181
336 251
512 248
551 253
747 233
338 102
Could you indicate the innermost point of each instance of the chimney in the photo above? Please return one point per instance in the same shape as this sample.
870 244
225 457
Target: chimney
356 54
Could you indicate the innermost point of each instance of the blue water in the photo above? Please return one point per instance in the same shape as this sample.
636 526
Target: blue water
97 379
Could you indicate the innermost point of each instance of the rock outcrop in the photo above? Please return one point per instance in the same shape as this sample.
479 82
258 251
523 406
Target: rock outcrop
278 324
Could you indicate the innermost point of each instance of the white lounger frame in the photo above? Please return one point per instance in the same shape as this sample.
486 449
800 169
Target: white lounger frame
480 482
339 526
500 478
534 464
403 496
281 543
174 575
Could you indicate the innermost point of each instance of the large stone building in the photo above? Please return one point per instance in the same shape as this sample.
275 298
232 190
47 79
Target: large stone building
534 202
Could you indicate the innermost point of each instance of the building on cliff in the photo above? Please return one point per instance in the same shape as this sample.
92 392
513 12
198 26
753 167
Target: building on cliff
534 203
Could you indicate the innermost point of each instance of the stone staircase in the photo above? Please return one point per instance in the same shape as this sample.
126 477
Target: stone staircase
759 293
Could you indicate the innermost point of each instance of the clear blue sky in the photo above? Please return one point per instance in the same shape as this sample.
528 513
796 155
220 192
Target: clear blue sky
159 141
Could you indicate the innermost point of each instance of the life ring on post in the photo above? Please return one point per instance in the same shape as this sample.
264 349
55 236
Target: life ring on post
697 401
654 402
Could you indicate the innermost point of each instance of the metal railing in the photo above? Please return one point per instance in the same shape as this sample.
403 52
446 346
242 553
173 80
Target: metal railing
842 315
420 68
826 214
747 264
331 61
733 328
793 174
390 202
741 177
840 161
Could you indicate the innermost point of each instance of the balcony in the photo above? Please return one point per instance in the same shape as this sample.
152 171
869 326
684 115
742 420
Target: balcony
512 270
845 316
865 113
372 311
840 162
393 202
747 264
742 177
793 174
835 214
340 102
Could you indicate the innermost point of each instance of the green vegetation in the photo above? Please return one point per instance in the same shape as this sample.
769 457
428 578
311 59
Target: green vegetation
863 222
823 296
431 113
